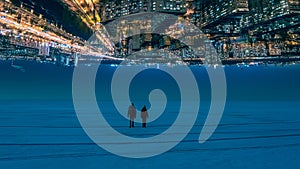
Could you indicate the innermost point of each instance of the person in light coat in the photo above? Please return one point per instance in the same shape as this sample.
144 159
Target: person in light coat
144 115
131 114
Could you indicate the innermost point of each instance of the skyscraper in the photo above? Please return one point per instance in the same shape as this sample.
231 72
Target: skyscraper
220 20
274 22
113 9
265 10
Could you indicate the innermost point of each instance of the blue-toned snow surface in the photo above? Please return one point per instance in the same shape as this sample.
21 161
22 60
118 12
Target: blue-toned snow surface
260 127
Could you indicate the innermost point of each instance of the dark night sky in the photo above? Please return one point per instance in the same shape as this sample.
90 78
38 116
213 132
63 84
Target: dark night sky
56 12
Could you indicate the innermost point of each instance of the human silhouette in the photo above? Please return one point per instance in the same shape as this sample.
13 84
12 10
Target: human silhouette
131 114
144 115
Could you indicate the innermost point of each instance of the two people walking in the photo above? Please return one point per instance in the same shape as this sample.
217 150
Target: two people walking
132 115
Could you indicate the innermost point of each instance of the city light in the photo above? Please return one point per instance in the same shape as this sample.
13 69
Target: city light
238 29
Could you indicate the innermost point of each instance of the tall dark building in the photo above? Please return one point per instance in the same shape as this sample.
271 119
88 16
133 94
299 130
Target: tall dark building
113 9
126 35
265 10
221 21
215 11
275 23
246 28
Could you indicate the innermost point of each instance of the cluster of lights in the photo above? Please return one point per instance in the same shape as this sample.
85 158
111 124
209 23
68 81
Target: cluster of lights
114 9
33 31
217 10
88 10
270 11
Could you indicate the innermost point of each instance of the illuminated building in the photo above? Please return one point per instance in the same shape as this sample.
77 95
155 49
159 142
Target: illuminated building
131 37
87 10
220 20
265 10
113 9
250 28
276 23
215 11
170 6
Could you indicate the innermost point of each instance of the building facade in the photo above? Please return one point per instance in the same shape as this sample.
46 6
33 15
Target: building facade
114 9
250 28
237 28
275 25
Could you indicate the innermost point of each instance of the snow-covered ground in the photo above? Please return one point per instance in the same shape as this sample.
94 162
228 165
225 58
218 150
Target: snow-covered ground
260 127
251 135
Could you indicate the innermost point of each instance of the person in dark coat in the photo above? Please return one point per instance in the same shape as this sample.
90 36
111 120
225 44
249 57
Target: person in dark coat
144 115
